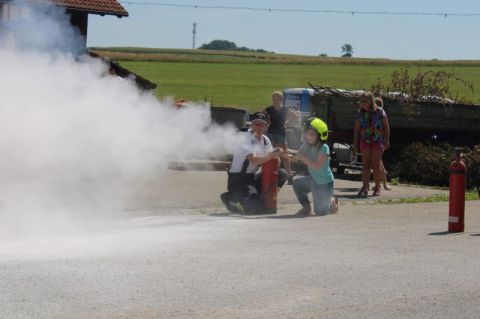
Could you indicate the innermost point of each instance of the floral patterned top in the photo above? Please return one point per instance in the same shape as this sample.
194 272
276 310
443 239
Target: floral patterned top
371 125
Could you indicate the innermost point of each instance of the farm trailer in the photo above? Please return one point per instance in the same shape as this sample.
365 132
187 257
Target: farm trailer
433 120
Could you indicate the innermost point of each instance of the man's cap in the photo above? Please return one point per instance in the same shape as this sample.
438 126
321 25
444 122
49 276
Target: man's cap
259 117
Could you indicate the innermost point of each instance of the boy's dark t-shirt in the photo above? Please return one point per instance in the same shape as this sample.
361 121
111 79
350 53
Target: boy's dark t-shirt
277 120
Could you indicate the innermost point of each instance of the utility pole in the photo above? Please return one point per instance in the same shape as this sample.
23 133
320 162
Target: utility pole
194 35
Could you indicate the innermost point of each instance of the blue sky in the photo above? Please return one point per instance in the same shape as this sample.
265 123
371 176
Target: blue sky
401 37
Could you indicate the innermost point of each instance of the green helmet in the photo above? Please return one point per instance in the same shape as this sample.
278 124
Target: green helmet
319 126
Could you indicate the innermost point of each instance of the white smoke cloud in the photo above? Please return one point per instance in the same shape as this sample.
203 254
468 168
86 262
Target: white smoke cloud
40 28
73 138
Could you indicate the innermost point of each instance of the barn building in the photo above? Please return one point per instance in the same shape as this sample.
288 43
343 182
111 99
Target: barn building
78 12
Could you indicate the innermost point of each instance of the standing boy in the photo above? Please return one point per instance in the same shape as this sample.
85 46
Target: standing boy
279 117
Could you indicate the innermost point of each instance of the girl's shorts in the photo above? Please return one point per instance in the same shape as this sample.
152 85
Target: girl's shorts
372 146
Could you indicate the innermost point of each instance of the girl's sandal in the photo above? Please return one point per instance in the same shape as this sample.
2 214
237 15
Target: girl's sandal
363 191
376 191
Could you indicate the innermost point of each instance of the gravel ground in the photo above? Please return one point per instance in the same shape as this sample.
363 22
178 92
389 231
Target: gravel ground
199 189
369 261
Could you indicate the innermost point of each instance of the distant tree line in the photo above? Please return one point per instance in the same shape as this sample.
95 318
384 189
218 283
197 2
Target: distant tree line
225 45
347 51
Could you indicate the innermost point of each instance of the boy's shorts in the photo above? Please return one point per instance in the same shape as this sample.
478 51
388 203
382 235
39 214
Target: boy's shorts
374 145
277 139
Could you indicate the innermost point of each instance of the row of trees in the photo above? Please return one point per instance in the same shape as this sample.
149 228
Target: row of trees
225 45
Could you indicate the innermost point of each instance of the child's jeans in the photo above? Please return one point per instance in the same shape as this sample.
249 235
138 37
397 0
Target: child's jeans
322 194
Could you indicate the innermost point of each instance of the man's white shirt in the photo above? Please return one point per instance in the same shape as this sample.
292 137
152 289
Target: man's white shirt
249 145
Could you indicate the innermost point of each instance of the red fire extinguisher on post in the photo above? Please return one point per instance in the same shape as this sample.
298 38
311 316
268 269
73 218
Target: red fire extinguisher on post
269 186
458 184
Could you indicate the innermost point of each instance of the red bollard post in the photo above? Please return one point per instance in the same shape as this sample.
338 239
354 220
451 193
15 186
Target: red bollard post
269 186
458 181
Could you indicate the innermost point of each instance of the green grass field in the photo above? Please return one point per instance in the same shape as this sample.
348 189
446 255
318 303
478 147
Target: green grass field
246 79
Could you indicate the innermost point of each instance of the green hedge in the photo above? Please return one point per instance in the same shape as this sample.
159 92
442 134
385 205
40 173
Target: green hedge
428 164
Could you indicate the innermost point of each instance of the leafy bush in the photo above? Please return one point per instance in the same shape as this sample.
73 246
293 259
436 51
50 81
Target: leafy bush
472 159
433 85
428 164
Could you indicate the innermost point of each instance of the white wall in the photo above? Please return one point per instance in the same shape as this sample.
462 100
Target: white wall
3 12
12 12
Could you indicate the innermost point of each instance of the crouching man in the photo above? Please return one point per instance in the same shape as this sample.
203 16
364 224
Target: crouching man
244 178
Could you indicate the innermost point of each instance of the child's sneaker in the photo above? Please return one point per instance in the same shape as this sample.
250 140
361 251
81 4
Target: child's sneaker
238 206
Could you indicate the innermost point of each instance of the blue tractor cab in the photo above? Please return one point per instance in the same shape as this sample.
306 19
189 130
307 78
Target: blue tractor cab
299 101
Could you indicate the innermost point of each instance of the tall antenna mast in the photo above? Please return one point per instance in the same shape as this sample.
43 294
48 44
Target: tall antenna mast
194 35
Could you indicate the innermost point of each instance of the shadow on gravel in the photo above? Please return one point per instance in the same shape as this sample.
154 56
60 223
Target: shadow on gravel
348 189
237 216
285 216
443 233
351 196
257 216
476 235
220 214
349 177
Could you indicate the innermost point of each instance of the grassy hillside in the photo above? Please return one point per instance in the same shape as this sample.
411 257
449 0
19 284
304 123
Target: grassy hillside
246 79
208 56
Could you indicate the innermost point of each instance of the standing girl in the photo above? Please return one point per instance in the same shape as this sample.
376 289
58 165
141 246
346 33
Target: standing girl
372 136
379 103
315 154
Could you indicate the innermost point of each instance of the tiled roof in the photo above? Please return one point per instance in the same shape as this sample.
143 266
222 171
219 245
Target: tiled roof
110 7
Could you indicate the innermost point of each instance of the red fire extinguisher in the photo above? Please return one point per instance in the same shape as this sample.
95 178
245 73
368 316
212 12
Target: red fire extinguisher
269 186
458 181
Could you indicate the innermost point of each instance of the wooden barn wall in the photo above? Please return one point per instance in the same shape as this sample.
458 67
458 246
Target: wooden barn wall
80 21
